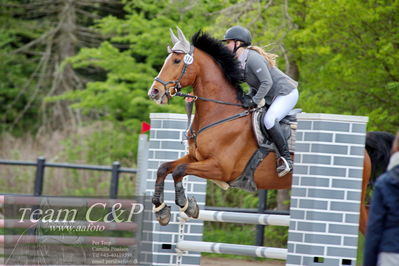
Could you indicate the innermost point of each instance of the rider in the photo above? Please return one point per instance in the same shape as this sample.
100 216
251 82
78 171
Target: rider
268 84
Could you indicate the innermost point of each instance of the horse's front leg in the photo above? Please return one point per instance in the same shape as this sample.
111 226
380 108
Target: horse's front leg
161 210
207 169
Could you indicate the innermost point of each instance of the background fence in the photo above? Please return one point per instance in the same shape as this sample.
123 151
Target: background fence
115 170
41 166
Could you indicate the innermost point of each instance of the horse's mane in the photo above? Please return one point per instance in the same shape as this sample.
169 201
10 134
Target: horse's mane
223 56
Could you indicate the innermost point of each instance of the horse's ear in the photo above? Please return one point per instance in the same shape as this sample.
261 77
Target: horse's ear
184 45
173 37
182 38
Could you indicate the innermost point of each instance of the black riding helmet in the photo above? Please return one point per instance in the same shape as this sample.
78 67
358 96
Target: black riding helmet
238 33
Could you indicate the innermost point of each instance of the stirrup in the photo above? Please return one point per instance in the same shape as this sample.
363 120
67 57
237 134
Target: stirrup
287 168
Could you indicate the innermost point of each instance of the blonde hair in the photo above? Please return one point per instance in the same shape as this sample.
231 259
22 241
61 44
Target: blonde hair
270 58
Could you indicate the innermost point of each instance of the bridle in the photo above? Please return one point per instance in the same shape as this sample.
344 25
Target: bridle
188 60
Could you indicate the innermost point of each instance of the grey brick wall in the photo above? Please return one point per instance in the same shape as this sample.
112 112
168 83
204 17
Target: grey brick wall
167 143
325 197
325 194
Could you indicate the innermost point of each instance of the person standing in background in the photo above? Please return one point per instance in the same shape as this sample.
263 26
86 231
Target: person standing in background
382 236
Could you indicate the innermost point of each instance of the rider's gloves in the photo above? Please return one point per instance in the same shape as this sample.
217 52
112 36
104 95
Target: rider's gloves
248 102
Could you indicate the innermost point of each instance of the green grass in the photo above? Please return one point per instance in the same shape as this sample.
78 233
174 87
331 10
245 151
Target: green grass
236 234
360 248
245 235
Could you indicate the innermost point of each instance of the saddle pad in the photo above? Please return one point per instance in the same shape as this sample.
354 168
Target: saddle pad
260 137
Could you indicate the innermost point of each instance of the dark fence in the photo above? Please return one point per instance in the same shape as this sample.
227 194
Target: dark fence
41 165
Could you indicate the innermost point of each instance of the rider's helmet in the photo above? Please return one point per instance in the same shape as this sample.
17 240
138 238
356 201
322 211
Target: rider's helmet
238 33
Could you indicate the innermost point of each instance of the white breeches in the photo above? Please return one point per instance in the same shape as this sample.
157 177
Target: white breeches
280 108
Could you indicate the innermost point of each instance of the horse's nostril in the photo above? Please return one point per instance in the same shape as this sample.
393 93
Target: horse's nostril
154 91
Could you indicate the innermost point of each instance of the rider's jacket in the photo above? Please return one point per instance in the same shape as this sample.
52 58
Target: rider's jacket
265 81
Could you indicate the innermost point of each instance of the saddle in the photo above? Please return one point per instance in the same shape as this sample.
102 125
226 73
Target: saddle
288 125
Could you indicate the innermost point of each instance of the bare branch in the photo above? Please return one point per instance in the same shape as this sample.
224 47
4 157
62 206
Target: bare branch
60 42
287 15
90 2
89 35
260 11
87 14
25 87
36 41
46 59
286 59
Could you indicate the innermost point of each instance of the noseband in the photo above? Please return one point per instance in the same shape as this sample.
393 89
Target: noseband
188 60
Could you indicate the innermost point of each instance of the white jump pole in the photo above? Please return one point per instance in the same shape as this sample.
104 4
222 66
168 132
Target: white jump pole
241 218
245 250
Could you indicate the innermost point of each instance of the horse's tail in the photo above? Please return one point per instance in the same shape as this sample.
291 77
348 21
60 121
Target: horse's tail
378 146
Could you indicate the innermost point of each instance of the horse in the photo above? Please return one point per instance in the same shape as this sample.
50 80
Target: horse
220 142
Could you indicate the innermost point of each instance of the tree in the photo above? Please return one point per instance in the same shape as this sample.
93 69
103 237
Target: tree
134 55
52 31
351 45
353 48
15 87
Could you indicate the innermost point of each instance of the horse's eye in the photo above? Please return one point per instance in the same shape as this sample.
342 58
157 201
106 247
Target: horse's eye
176 61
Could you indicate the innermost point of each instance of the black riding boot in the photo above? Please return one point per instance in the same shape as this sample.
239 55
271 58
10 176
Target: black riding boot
281 143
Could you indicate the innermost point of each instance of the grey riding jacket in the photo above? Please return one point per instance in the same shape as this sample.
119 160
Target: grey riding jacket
265 81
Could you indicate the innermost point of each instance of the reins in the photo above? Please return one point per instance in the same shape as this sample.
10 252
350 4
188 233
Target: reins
189 109
206 99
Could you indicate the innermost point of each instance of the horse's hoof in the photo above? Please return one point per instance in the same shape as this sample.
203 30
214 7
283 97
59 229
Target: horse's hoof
163 216
193 209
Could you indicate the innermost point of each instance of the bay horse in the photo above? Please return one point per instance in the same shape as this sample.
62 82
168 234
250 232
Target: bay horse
220 152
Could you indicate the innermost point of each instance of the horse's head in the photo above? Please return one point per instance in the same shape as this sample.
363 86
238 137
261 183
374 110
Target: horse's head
174 74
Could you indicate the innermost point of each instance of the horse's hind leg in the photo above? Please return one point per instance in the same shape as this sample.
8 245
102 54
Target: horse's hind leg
162 211
208 169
